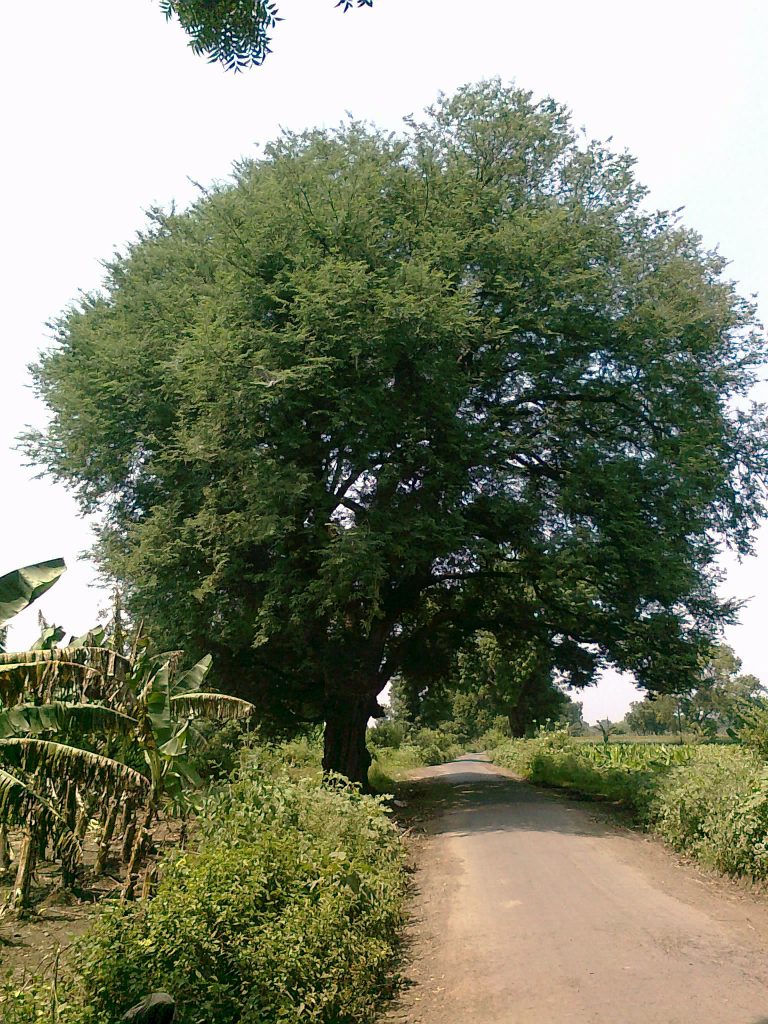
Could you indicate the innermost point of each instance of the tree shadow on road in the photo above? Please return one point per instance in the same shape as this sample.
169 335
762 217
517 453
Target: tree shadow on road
467 805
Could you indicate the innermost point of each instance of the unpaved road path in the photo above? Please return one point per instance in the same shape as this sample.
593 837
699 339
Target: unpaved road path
531 909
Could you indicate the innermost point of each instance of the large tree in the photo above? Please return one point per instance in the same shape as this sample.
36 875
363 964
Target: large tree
382 392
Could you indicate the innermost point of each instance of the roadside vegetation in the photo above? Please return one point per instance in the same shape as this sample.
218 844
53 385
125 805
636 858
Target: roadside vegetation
707 800
286 907
222 867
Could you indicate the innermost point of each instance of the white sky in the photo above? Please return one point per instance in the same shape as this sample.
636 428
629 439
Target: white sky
105 112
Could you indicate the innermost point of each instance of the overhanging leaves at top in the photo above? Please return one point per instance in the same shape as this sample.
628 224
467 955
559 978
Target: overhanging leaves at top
236 33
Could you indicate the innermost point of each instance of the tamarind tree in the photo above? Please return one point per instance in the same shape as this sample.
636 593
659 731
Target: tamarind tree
382 392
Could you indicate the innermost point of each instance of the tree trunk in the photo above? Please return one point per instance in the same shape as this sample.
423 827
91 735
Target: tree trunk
129 837
25 869
70 806
72 861
126 816
346 720
517 724
140 843
5 848
106 839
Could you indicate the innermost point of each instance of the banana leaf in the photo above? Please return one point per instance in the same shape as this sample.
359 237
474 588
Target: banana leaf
18 802
59 762
218 706
41 679
59 717
20 588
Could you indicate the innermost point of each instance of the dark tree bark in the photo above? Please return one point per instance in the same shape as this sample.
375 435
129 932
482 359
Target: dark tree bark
517 724
346 721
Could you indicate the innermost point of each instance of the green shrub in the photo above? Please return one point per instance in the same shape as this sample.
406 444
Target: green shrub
491 739
22 1004
288 911
717 809
300 756
435 745
516 755
387 734
216 755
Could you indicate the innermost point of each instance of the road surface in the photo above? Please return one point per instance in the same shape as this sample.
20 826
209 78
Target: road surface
531 909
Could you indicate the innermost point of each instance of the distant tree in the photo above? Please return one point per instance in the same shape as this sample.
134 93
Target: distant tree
473 713
572 716
236 33
515 680
381 394
653 716
720 692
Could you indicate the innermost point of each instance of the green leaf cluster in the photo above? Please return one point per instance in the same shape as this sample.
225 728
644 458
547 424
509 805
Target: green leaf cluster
234 33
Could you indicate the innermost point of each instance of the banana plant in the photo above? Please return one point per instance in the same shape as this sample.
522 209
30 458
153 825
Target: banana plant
88 689
35 773
166 705
20 588
64 673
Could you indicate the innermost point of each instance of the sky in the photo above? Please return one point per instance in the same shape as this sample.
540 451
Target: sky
107 112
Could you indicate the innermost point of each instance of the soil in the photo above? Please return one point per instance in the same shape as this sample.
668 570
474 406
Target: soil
38 943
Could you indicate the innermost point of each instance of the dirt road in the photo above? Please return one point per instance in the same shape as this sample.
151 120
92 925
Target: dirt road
531 910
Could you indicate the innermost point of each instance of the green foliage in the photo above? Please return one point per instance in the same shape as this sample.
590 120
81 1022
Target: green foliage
436 746
67 739
492 679
717 810
20 588
24 1004
383 393
707 801
288 911
751 725
399 748
654 715
715 702
720 693
387 733
236 33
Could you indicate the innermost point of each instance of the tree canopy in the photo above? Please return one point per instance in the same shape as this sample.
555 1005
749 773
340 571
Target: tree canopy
235 33
382 392
492 678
